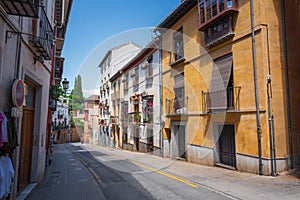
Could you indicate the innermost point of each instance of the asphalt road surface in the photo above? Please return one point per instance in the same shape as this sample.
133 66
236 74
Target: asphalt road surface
123 175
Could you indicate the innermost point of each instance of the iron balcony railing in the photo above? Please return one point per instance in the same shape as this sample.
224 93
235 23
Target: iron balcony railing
177 106
220 31
60 38
26 8
175 59
59 67
41 39
106 103
60 32
228 100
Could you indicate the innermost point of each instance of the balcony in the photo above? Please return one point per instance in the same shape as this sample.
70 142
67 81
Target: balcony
177 106
114 119
135 117
219 31
60 38
59 11
175 59
26 8
106 103
211 11
41 39
220 101
59 67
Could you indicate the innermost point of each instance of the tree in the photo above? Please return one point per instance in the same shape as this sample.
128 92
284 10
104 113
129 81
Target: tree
77 99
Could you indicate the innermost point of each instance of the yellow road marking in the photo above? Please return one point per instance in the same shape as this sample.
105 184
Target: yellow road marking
159 172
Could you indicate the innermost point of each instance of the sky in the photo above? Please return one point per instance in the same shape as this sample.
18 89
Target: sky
95 26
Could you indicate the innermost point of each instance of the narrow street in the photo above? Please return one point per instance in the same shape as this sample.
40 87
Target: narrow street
94 172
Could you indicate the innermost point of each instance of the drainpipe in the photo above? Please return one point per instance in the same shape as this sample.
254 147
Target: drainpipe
18 51
270 120
161 96
49 117
287 87
270 116
274 146
256 90
160 92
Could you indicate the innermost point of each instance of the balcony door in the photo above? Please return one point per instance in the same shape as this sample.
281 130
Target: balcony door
221 85
179 92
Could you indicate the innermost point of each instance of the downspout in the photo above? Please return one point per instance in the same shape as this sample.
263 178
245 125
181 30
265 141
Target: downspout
161 96
270 120
62 15
49 118
18 51
160 93
256 89
270 116
17 120
287 86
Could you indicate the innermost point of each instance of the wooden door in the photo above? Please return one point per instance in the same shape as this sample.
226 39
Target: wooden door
26 139
137 138
26 148
227 146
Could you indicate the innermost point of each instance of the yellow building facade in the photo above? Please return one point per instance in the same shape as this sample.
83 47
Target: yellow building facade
214 112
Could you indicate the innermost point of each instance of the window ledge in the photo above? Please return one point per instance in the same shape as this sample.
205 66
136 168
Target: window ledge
149 77
181 60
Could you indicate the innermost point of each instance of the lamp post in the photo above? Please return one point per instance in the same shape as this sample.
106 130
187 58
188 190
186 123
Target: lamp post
65 83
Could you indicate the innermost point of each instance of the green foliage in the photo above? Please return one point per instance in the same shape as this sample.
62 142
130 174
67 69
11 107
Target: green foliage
79 122
72 122
76 96
55 92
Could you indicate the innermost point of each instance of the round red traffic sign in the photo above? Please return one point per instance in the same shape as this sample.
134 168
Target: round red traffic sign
18 93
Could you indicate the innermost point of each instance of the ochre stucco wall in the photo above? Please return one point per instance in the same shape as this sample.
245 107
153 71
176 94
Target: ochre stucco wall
197 69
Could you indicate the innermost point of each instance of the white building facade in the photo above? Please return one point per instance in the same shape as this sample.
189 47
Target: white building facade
137 92
27 53
112 62
61 117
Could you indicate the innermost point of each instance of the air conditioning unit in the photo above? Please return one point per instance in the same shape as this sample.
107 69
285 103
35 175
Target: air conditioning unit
181 110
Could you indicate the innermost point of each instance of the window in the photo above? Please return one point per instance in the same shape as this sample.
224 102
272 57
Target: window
126 81
179 91
202 13
136 110
150 67
136 77
150 70
148 109
208 10
221 5
221 86
220 30
211 10
178 44
214 8
29 99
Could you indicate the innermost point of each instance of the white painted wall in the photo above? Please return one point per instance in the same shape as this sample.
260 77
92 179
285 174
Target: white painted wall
34 71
